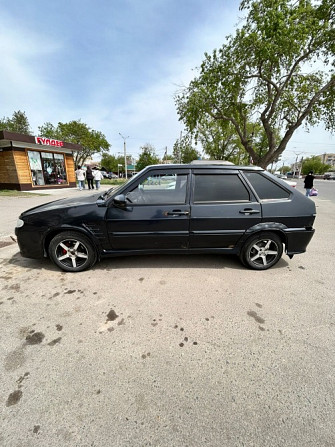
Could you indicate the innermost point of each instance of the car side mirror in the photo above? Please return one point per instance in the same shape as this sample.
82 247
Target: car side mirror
101 202
120 200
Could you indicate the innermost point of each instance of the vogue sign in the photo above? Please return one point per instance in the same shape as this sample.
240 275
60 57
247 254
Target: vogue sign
48 142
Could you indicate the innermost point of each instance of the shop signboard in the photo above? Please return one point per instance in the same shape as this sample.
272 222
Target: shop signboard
49 141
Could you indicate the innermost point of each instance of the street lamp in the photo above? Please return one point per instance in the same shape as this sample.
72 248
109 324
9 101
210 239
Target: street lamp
125 153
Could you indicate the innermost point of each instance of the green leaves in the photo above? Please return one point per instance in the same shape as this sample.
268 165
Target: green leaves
183 151
274 72
314 164
112 163
147 157
92 141
17 123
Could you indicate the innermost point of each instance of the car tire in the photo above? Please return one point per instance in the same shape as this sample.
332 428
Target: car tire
262 251
72 251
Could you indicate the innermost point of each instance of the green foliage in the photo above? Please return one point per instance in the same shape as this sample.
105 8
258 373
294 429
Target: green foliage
147 157
285 169
112 182
219 141
92 141
111 162
268 76
314 164
17 123
183 151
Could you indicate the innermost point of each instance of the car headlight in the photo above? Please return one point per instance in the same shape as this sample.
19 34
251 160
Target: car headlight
19 223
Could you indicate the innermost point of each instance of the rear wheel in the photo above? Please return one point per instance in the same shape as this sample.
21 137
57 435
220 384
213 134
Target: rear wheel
262 251
72 252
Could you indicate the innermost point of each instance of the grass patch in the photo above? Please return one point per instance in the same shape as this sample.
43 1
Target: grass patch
111 182
14 193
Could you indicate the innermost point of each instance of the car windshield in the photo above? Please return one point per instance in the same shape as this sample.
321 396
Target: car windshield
114 189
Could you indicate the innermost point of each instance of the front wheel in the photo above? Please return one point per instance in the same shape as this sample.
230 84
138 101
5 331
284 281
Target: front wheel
262 251
72 252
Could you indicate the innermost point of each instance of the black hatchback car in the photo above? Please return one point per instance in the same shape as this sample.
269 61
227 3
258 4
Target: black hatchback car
174 209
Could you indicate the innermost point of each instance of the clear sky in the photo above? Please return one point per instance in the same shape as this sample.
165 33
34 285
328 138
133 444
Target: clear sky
116 65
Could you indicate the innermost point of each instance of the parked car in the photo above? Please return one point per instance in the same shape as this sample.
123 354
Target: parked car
111 175
329 176
207 208
291 183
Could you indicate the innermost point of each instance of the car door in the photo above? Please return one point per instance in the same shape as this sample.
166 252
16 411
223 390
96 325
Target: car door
157 213
222 209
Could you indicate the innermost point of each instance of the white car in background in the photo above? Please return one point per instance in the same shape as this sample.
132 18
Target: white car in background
289 182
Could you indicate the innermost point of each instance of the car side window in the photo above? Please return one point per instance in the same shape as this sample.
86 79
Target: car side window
158 189
265 188
219 188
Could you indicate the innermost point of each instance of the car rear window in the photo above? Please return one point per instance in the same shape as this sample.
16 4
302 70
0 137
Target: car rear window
265 188
219 188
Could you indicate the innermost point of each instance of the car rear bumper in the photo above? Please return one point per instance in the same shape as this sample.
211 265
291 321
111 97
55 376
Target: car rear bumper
297 240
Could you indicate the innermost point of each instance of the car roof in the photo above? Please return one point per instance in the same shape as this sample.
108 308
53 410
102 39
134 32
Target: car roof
207 165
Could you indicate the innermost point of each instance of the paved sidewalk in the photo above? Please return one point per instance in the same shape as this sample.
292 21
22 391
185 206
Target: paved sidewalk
66 192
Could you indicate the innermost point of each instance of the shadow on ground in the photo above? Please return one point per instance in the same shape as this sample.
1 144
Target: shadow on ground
148 261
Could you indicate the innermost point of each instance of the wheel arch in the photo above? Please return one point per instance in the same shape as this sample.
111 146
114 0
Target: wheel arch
55 231
269 227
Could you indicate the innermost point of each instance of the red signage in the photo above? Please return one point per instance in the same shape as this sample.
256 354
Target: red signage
48 142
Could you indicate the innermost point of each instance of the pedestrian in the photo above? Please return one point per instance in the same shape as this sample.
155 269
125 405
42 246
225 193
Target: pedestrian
97 175
89 177
80 174
308 182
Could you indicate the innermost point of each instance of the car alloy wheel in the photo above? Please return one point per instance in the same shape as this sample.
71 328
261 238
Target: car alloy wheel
72 252
262 251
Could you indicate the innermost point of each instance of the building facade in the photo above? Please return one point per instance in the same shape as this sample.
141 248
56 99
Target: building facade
33 163
328 159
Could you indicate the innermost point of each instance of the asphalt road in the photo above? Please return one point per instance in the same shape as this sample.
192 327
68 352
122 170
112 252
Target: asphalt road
170 351
326 188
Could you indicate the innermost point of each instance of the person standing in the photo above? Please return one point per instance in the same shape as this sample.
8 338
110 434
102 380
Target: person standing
89 177
80 174
97 175
308 182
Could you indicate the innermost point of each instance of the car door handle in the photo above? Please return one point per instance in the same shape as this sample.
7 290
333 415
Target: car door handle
176 213
249 211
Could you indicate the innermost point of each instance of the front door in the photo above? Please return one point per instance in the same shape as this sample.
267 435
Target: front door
222 209
156 216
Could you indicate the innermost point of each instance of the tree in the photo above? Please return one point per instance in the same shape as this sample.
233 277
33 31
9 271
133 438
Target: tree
219 141
111 162
92 141
17 123
183 151
147 157
285 169
314 164
268 74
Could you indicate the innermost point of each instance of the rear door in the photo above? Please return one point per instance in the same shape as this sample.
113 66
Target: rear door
222 208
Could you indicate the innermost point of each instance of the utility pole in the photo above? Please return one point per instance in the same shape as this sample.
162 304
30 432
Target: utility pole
296 162
300 169
125 153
